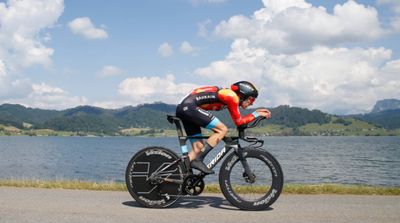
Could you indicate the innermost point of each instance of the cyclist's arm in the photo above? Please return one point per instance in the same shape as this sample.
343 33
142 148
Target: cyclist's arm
232 101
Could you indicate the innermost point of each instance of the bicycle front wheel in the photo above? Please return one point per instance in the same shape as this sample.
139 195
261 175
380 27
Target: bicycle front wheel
244 193
152 180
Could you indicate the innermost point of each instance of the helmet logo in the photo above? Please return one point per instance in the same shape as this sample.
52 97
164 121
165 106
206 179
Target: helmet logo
247 86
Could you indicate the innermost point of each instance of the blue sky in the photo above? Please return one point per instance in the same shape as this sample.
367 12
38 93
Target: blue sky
336 56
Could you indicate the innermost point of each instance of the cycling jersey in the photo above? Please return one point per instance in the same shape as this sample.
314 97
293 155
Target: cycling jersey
193 110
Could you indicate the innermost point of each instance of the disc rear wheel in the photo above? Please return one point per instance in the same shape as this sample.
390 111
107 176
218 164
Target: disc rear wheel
152 180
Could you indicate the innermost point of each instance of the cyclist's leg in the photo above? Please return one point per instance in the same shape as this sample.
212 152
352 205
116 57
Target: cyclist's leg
193 117
197 147
220 130
188 115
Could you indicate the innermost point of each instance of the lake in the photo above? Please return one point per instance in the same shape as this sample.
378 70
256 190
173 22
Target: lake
304 160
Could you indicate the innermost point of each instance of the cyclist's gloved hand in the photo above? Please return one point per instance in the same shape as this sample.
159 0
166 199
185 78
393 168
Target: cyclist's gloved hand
264 112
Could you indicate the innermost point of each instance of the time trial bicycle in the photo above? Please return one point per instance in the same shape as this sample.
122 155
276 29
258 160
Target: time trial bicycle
250 178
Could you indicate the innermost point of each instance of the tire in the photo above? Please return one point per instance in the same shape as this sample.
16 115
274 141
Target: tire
251 196
141 167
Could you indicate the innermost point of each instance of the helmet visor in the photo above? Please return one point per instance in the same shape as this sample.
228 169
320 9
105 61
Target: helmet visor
250 100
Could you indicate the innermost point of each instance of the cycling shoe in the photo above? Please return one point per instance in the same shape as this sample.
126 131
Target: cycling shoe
199 165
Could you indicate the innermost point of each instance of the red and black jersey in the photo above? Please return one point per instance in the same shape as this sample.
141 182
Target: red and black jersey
215 99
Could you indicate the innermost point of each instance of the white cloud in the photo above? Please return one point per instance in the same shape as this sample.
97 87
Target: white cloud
165 50
333 79
85 28
12 88
22 24
45 96
243 62
2 70
24 29
186 48
109 71
115 104
150 89
337 80
298 54
294 26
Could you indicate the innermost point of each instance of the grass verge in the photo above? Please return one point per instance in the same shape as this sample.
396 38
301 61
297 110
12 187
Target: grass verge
212 188
340 189
65 184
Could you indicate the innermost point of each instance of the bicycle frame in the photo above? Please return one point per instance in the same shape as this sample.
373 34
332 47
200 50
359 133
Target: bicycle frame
230 143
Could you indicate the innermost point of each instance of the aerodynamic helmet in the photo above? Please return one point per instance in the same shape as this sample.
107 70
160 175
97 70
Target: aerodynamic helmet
245 90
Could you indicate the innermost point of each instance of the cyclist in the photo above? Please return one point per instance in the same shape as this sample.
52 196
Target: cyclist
194 112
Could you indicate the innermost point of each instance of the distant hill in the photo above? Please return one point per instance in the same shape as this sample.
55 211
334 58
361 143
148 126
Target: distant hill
385 114
89 119
386 104
16 115
389 119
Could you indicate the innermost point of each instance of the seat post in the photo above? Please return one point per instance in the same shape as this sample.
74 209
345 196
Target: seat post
178 127
182 139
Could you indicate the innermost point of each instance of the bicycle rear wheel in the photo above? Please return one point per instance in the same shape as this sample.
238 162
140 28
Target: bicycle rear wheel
161 189
243 193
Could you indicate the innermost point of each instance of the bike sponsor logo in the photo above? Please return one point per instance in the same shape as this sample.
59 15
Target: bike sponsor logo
271 165
231 162
217 158
203 112
158 152
204 97
266 200
227 186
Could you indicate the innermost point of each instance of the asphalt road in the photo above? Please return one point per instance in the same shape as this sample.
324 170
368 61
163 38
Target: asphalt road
57 205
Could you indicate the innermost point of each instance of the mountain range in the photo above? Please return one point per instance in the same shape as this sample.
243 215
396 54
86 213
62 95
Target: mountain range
87 118
110 121
385 113
386 104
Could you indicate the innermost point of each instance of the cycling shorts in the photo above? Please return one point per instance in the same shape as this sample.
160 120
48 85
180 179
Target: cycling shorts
193 117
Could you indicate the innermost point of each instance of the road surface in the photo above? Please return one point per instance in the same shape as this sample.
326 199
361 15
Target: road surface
58 205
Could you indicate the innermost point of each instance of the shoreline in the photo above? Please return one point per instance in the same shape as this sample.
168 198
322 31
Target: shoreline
303 189
174 136
271 130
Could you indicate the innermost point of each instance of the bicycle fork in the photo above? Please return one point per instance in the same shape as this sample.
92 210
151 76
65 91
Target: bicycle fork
248 173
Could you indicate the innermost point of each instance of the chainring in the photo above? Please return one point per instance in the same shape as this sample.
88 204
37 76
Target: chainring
193 185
